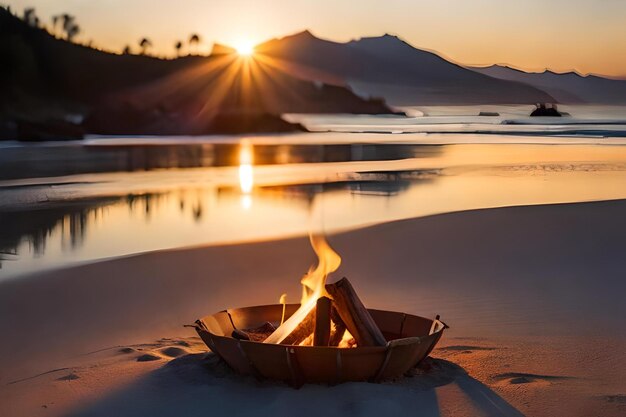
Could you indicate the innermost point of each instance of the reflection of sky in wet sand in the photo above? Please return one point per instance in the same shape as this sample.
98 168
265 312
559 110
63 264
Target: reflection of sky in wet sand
104 215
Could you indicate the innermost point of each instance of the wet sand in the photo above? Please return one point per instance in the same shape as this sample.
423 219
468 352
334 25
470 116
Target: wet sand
533 296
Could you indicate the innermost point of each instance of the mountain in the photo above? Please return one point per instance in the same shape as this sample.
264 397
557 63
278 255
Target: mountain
43 78
388 67
568 87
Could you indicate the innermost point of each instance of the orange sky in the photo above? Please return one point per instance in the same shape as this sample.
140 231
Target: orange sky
585 35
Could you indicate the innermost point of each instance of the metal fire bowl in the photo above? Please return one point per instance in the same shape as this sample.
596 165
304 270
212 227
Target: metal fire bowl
410 340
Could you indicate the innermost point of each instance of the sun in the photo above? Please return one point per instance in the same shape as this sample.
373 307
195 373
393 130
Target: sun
244 48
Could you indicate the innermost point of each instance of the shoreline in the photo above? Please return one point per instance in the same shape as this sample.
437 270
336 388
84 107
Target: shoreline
199 246
88 201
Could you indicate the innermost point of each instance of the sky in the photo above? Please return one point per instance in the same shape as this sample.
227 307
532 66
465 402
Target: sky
588 36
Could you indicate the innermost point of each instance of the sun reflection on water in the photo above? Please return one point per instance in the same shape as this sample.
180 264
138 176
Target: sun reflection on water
246 173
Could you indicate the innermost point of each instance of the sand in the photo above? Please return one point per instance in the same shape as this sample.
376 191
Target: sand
533 296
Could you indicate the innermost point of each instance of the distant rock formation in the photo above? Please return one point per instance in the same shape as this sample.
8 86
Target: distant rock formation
48 130
543 110
242 122
129 119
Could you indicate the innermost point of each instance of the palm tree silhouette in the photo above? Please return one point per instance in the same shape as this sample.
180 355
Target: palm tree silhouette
30 18
145 44
178 47
194 39
68 22
55 20
72 31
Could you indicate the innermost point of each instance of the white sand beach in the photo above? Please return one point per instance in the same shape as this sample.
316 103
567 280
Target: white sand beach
533 296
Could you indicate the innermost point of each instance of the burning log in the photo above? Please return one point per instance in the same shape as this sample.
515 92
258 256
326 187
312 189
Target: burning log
338 330
321 336
358 320
316 329
304 329
240 334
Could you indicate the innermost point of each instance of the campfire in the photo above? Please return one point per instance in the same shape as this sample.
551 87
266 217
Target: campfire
330 337
342 321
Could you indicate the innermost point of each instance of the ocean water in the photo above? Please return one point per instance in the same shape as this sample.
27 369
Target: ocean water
577 121
66 203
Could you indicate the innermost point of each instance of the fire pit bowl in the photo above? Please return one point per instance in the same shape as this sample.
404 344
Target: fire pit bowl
409 340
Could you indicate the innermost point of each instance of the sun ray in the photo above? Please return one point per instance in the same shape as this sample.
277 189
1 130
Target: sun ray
227 81
300 71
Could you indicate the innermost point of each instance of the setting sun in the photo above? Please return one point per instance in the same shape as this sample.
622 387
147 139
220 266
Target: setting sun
245 48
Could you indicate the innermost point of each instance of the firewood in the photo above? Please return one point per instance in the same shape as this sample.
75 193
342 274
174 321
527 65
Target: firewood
259 334
321 336
255 334
302 331
240 334
354 314
338 330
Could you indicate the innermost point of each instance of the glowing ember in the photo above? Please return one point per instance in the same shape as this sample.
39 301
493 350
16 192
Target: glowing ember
312 287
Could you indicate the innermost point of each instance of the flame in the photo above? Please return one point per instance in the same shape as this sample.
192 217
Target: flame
313 286
283 301
347 341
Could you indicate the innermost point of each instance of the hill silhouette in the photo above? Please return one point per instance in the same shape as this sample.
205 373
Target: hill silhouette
388 67
568 87
44 79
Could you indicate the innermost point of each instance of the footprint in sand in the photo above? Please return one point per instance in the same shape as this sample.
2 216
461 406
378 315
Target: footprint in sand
69 377
514 378
127 350
148 357
465 348
616 399
173 351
